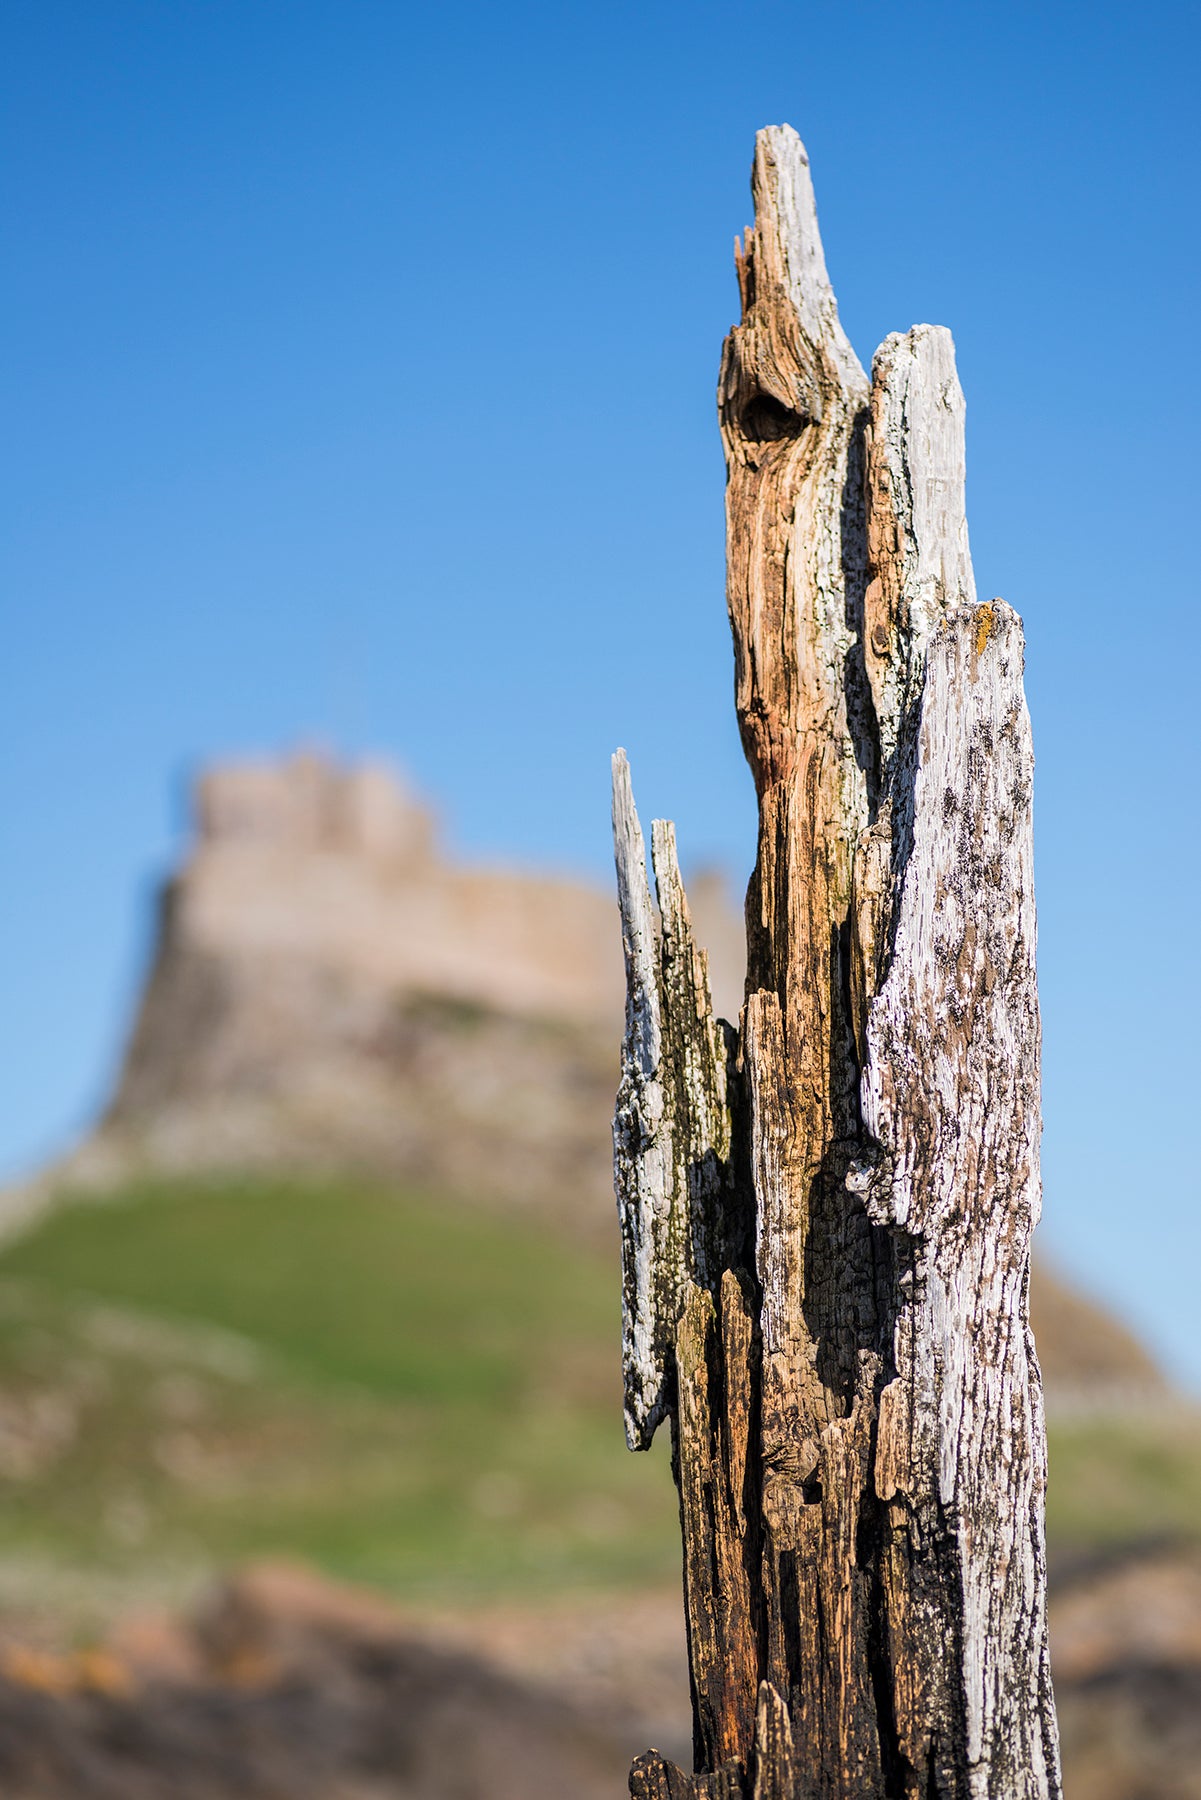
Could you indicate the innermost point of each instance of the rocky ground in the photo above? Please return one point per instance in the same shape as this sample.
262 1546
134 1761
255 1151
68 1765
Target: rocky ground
284 1686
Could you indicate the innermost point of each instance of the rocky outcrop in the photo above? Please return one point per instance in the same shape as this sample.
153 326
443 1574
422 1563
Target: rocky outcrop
1091 1362
330 989
289 1685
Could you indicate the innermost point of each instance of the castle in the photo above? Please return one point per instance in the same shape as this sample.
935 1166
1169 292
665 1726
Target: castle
330 989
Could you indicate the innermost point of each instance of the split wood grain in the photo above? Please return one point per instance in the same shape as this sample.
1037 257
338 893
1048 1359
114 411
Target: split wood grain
672 1132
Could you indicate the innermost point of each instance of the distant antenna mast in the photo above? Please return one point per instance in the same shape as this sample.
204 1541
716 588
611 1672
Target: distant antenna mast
826 1215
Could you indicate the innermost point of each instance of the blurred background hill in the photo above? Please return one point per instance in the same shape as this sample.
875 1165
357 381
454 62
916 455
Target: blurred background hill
335 1281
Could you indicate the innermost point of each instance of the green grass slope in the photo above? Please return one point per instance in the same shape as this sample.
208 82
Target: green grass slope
404 1391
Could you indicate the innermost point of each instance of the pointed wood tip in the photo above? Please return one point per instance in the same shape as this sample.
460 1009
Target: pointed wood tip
930 348
918 522
625 815
783 143
786 228
633 888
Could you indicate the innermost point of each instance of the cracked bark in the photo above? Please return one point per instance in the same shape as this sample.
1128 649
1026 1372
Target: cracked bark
826 1216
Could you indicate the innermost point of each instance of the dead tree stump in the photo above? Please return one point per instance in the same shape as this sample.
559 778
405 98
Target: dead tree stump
826 1215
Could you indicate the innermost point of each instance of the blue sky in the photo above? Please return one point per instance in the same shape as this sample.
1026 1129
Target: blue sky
358 386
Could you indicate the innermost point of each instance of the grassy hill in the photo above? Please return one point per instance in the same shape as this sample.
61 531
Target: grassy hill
404 1391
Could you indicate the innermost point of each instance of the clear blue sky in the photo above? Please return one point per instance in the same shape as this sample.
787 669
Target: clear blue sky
359 364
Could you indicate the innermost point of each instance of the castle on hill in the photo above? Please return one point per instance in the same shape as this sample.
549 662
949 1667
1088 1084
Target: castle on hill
330 989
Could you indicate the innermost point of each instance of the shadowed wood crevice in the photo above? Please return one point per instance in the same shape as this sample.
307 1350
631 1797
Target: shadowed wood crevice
826 1221
716 1472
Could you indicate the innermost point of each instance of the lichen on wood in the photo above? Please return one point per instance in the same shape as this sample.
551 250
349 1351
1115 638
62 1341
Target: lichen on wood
826 1217
672 1135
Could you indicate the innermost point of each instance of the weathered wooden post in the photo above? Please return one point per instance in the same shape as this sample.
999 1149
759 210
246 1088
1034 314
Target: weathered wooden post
826 1215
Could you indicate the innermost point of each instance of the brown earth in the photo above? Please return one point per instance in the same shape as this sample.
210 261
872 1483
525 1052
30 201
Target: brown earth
284 1684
